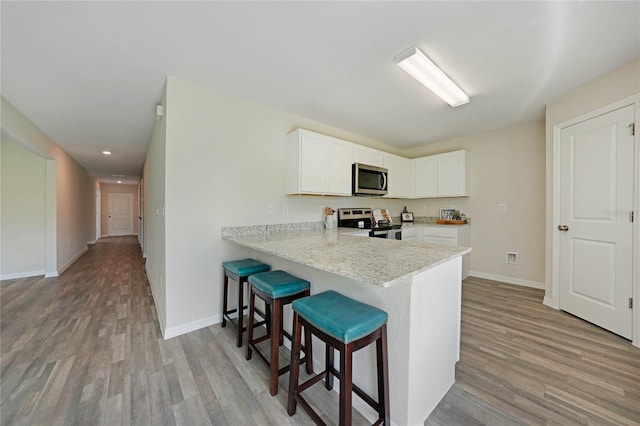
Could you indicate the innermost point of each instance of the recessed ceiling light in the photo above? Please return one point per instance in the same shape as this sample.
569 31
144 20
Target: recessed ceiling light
106 152
420 67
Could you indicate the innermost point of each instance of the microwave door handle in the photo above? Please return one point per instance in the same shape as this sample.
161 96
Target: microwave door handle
384 180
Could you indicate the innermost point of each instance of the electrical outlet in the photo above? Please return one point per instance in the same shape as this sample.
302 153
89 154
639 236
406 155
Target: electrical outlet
285 209
270 209
502 208
512 258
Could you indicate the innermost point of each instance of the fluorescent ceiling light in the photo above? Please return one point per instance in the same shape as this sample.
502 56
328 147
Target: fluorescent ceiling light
106 152
426 72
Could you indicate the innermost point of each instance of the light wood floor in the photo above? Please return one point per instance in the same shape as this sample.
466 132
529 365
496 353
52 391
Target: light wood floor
86 349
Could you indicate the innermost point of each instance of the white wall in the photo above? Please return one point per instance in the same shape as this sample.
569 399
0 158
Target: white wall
23 201
154 225
225 162
506 166
69 192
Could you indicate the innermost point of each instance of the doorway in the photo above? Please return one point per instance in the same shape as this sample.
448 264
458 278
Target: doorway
594 202
120 214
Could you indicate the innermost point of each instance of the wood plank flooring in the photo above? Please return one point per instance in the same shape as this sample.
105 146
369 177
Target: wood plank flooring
524 363
85 348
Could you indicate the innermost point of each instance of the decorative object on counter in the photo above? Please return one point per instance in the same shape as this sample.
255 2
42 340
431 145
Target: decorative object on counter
406 216
276 289
380 217
239 271
330 221
451 217
346 325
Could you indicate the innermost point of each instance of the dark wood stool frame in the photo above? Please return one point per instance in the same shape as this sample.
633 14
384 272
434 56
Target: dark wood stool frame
276 334
345 374
226 313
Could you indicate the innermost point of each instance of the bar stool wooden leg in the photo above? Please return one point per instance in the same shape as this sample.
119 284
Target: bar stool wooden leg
383 375
225 292
294 371
346 382
240 311
252 301
328 356
275 346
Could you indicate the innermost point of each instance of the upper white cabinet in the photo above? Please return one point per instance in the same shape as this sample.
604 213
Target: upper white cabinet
442 175
399 175
366 155
318 164
426 176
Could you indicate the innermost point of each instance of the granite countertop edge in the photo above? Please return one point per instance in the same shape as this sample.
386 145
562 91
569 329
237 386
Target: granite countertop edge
337 252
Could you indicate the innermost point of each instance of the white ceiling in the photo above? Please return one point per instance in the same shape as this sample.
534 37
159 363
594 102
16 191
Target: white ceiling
89 74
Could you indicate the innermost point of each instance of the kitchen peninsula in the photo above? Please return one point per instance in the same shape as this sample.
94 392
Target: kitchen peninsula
417 284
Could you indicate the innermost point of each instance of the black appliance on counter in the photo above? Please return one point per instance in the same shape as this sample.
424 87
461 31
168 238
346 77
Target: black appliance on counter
360 218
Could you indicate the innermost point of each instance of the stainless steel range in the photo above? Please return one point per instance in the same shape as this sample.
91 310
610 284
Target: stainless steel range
361 218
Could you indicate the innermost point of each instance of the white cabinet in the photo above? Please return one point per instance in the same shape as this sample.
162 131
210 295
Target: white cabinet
318 164
426 175
366 155
452 174
399 175
412 233
449 235
442 175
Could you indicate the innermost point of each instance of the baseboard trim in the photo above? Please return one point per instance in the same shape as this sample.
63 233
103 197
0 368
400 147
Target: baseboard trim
159 312
508 280
73 259
92 242
51 274
547 301
191 326
25 274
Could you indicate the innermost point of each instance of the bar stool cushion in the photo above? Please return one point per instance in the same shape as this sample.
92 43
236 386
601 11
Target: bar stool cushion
278 283
339 316
245 267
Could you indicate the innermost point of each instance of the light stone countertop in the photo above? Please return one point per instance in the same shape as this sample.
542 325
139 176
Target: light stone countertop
375 261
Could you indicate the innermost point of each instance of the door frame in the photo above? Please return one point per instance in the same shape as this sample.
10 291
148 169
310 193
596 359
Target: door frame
98 214
554 301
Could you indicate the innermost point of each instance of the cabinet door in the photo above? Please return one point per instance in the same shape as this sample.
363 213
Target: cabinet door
398 175
370 156
426 172
340 156
451 174
313 163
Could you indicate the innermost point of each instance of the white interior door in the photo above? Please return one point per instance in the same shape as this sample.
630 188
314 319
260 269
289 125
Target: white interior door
596 232
120 214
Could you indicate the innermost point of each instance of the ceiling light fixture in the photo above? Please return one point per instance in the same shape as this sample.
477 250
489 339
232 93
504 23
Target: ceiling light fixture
420 67
106 152
119 181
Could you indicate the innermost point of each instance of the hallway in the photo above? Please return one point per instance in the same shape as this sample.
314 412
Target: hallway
85 348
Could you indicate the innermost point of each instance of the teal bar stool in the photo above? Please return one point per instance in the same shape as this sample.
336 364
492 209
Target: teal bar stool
239 271
276 289
346 325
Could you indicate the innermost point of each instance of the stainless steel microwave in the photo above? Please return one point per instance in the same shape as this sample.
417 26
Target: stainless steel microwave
369 180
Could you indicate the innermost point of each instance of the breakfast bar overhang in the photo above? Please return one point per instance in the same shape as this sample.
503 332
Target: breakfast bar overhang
417 284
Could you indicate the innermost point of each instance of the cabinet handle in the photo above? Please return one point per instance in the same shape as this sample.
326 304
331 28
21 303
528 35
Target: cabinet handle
563 228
